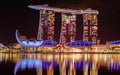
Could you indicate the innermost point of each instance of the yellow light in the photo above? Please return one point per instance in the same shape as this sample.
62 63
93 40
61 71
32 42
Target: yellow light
68 21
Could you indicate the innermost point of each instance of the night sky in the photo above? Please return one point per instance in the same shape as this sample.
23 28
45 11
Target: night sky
14 14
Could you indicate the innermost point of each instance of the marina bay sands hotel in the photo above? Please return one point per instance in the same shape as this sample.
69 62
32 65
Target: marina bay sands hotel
68 24
46 30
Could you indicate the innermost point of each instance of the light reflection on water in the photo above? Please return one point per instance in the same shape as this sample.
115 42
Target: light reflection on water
63 64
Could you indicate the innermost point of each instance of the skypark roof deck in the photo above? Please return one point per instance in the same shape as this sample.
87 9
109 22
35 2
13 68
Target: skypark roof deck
45 7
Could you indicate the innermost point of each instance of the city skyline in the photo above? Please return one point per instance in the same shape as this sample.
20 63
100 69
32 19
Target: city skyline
16 15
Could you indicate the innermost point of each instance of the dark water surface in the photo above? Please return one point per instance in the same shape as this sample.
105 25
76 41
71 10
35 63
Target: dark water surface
59 64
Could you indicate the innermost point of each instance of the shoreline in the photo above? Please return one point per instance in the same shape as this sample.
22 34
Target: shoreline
103 52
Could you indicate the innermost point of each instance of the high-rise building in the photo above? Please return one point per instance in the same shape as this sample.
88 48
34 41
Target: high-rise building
68 24
68 28
90 27
46 25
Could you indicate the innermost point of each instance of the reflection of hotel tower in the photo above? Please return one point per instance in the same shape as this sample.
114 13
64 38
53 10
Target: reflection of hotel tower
65 64
68 26
63 68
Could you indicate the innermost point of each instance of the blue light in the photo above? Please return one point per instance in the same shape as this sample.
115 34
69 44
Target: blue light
31 43
17 67
114 42
37 43
80 43
28 43
111 65
38 63
46 64
49 42
24 42
79 64
30 63
23 64
54 64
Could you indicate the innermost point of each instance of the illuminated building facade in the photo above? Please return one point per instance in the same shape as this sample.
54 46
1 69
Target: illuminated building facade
68 28
90 28
46 25
68 24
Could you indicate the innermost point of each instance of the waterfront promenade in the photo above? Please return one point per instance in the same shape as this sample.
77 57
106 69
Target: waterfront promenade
61 49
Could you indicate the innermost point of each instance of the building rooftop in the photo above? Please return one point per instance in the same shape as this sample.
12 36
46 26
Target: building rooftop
64 10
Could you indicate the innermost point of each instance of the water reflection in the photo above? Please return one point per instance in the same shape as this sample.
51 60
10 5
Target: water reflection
64 64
